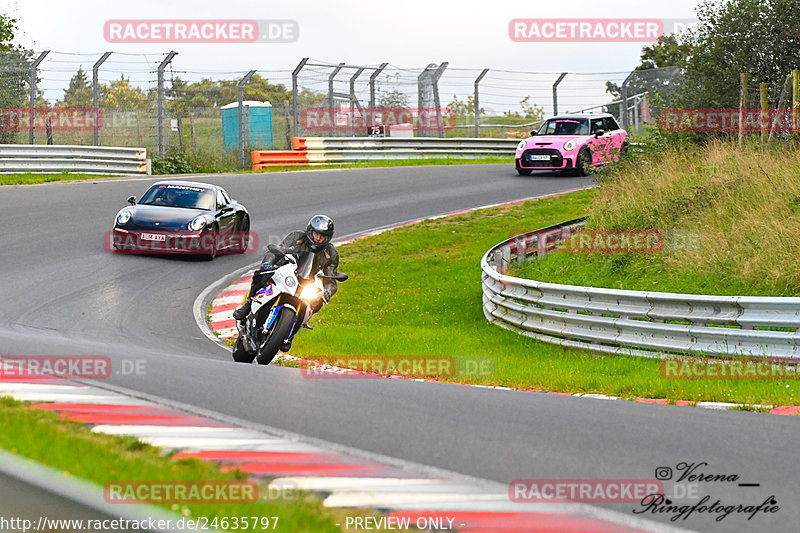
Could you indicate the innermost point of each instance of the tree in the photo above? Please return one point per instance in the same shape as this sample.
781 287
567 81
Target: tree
15 64
760 38
120 94
669 51
78 93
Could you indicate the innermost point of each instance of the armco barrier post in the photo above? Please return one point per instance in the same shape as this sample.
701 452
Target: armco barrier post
96 93
240 99
477 105
162 105
32 96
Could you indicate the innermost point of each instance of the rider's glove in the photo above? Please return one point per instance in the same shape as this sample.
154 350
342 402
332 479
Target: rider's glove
327 295
266 267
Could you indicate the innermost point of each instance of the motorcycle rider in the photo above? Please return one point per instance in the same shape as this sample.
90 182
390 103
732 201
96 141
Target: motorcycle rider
316 239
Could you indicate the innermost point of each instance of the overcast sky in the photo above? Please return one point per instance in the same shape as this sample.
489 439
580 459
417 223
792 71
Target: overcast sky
469 34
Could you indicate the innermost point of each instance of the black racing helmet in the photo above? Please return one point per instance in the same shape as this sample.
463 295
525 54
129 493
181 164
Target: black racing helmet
319 232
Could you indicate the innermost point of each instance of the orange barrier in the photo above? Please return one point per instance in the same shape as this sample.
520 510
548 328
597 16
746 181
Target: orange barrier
279 158
299 143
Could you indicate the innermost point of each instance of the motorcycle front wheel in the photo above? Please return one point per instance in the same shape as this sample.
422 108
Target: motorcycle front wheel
279 332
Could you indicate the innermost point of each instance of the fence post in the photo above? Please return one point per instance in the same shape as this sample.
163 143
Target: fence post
555 92
32 116
162 106
764 112
624 105
286 122
353 97
240 99
331 77
295 73
742 104
477 104
795 100
372 78
436 103
96 95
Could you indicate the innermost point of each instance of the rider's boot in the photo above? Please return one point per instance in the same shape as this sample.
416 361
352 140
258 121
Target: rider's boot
242 311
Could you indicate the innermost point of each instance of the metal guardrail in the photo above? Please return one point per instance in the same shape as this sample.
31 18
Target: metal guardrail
327 150
640 323
38 159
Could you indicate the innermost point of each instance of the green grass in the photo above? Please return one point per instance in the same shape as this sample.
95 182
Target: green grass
31 179
73 449
730 216
416 291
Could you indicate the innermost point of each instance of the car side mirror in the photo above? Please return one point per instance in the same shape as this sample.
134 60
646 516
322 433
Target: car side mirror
599 132
533 133
132 200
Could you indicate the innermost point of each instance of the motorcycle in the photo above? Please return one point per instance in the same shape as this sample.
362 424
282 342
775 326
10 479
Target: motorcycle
282 307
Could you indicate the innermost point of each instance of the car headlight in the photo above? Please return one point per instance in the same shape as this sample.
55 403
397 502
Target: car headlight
569 145
521 146
197 224
312 292
123 217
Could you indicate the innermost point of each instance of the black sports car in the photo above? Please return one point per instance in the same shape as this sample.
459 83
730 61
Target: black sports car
182 217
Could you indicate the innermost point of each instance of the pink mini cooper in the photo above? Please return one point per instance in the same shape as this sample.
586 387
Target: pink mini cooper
572 143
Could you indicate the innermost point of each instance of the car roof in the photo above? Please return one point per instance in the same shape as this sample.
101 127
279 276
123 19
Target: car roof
189 183
583 116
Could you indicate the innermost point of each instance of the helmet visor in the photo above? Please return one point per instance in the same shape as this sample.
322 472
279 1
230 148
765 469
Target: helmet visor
318 238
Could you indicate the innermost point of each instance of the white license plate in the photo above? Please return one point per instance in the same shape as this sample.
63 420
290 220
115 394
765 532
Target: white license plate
153 237
539 158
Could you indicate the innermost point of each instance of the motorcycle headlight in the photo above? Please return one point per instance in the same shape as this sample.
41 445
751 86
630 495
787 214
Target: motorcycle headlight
569 145
197 224
311 292
123 217
521 146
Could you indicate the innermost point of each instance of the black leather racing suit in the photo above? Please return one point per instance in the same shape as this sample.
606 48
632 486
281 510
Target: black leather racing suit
296 242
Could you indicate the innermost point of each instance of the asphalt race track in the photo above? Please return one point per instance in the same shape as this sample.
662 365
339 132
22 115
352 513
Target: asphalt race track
63 294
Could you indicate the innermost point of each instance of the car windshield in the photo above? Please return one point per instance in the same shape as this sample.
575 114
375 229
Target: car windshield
185 196
564 126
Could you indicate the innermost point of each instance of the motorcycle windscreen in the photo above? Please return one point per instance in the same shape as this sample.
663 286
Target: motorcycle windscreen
306 267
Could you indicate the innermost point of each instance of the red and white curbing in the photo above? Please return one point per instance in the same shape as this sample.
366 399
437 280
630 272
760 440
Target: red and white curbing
342 480
224 326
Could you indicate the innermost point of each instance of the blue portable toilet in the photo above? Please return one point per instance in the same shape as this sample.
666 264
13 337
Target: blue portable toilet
257 117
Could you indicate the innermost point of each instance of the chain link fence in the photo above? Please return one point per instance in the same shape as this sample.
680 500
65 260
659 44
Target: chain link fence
216 117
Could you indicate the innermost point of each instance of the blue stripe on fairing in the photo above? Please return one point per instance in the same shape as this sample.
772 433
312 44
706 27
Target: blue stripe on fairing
273 314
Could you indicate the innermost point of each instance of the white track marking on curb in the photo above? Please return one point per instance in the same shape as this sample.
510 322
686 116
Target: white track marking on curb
399 500
332 483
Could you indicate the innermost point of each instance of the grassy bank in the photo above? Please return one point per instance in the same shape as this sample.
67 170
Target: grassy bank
416 291
730 217
73 449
